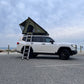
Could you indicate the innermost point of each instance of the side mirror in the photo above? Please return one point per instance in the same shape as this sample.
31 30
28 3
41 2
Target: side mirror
51 41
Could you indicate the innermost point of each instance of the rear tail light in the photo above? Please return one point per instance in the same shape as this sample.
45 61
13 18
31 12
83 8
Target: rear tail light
17 43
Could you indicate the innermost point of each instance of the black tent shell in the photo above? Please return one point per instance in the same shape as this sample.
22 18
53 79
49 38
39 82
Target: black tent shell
31 27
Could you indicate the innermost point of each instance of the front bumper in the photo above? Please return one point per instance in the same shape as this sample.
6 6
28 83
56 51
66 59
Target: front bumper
73 52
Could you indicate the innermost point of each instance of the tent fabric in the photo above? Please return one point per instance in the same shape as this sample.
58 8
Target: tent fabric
31 27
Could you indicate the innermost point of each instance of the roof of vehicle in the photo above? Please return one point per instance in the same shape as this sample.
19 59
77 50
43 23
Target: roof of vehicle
35 36
31 27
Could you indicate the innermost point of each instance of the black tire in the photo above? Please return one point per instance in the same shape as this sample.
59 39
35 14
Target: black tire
35 55
31 54
64 54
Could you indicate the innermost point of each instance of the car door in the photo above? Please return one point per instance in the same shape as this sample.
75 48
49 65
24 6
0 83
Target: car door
42 45
37 43
48 45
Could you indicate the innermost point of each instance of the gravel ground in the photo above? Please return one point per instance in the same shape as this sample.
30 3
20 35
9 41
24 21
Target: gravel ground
41 70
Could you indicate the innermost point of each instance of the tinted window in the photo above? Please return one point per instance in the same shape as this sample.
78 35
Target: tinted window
24 39
37 39
28 39
47 39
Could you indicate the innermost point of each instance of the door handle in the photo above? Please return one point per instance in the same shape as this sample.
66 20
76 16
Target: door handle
43 43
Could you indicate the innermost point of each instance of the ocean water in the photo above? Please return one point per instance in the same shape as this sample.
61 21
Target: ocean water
7 48
78 48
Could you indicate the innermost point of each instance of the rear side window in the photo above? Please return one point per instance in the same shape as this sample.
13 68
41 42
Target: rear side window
37 39
28 39
24 38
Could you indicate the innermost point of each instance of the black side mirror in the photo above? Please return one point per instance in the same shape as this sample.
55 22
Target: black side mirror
51 41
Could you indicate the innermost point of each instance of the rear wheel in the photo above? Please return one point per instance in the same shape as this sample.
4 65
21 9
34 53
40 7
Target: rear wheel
35 55
30 54
64 54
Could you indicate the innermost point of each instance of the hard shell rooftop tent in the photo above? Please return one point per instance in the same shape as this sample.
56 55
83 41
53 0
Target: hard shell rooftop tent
29 26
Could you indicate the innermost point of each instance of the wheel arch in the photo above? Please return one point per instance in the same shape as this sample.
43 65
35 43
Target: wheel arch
23 48
61 48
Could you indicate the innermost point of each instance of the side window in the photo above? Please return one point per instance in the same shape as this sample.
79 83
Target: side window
37 39
24 38
28 39
30 28
47 39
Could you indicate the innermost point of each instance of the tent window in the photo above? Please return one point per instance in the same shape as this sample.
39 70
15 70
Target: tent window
22 28
30 28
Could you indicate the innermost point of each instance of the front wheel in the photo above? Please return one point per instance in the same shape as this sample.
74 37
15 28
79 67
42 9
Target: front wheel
64 54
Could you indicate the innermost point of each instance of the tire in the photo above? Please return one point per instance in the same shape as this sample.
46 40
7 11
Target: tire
64 54
35 55
31 54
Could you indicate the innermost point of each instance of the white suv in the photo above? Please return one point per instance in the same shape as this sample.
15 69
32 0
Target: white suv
45 45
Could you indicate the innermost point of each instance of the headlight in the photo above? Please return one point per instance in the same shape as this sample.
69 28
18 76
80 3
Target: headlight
74 46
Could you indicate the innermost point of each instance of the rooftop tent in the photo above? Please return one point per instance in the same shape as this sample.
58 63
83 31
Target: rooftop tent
29 26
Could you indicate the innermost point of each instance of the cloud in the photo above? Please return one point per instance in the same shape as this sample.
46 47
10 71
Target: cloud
64 19
72 34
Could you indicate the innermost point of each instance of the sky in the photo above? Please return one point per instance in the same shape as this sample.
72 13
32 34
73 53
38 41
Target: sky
63 19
